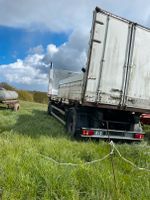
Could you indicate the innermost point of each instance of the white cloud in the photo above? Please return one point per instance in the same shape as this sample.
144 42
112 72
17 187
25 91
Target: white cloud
52 49
58 16
25 72
34 68
65 15
70 55
36 50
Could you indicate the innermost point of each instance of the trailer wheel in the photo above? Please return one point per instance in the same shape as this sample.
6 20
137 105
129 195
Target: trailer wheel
71 122
16 107
49 110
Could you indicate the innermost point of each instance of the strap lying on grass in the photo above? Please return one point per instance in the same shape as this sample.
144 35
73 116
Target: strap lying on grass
113 147
76 164
128 161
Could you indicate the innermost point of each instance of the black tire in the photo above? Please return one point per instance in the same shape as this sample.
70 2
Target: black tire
16 107
49 109
71 122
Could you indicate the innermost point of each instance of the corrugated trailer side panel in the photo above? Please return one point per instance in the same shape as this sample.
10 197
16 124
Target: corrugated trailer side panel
106 68
138 91
118 68
94 57
113 70
71 88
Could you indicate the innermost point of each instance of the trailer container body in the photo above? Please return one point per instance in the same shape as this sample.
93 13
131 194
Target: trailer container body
55 75
116 81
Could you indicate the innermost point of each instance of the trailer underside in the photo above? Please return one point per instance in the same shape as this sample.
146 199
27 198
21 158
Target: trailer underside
90 122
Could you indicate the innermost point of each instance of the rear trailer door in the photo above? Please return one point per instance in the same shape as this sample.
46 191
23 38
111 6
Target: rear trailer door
138 90
106 67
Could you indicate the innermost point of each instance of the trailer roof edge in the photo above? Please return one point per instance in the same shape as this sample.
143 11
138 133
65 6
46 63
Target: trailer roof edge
99 10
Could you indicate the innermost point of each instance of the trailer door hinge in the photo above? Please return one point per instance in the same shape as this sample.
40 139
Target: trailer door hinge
99 22
97 41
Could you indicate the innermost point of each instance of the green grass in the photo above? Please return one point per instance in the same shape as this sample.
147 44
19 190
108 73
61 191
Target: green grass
147 131
26 175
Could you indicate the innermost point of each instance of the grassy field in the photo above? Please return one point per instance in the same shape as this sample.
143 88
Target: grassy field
26 175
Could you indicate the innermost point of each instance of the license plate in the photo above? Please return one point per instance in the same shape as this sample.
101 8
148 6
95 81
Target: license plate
98 132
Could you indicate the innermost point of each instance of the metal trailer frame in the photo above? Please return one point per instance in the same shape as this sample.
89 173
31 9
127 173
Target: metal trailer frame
74 117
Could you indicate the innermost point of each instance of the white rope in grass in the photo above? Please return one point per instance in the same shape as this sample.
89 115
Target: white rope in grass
128 161
113 147
76 164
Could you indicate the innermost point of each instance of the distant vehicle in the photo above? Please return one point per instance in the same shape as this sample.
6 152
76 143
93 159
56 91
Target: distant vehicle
107 98
9 98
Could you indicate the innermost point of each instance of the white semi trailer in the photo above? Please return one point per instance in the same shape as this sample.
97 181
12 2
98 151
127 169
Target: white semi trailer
107 98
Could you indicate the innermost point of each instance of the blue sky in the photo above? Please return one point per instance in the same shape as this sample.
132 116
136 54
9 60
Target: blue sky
16 42
35 32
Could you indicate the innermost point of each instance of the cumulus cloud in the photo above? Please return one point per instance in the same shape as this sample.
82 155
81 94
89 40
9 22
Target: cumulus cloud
36 50
70 55
34 68
52 49
26 71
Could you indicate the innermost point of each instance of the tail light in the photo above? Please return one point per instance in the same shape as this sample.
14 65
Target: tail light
87 132
139 136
